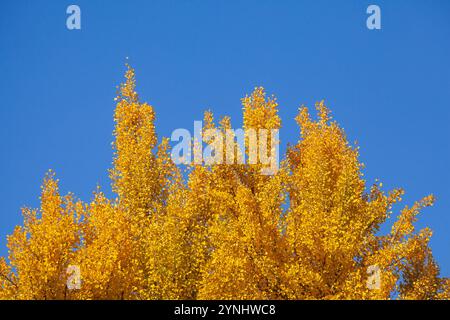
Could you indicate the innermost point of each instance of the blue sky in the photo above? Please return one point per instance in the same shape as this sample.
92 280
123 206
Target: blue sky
388 88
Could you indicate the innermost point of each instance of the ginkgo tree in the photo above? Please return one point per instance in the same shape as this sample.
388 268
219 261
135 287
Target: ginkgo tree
310 230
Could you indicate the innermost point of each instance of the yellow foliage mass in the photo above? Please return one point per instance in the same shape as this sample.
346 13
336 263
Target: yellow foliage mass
310 231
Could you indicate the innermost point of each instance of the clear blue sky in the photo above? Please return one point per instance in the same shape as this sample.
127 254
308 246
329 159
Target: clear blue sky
389 88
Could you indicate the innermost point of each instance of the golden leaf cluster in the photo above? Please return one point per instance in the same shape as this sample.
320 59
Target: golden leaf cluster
223 231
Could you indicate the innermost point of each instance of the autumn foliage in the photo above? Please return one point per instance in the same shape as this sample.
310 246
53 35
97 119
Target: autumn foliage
223 231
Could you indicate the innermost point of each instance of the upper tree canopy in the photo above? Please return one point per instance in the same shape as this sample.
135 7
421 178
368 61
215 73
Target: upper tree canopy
310 231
